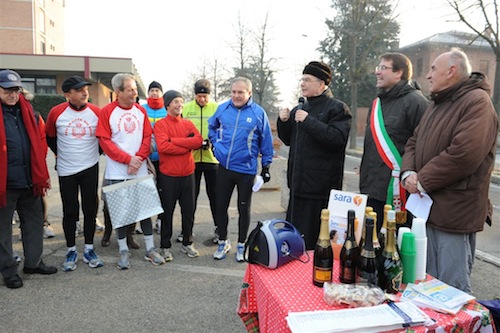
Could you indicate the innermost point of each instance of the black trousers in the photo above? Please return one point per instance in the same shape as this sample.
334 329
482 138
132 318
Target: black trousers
226 181
175 189
209 171
85 182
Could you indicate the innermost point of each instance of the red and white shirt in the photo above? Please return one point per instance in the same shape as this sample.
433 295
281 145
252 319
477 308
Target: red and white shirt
124 133
74 130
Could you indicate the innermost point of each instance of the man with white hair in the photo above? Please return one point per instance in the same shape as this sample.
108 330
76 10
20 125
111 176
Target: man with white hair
124 134
450 157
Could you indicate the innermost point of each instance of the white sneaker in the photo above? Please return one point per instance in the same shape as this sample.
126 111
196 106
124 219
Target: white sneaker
166 254
240 252
190 251
48 232
222 249
98 225
158 226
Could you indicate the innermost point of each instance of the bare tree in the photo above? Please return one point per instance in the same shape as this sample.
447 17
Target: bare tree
488 11
261 70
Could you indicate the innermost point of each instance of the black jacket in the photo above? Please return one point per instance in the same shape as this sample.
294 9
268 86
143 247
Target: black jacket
18 148
402 109
317 146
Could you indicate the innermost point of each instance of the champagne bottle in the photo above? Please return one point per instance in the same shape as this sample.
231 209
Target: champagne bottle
323 255
367 270
349 254
368 210
383 230
392 269
376 244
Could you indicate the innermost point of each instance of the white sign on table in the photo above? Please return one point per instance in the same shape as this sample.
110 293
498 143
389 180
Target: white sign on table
338 205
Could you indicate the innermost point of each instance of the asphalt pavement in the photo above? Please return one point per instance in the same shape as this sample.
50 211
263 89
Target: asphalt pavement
185 295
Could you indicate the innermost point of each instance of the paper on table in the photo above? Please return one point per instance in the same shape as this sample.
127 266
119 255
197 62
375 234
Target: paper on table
419 205
362 320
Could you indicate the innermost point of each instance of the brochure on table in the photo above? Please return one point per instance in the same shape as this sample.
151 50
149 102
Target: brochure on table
338 205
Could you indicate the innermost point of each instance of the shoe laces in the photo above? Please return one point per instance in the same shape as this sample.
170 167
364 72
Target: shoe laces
91 254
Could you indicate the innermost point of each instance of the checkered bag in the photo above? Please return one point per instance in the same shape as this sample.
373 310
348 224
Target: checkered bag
132 200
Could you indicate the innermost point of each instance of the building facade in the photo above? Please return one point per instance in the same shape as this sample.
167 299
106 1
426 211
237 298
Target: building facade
423 53
32 44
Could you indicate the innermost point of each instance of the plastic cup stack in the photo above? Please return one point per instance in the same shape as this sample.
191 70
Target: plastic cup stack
418 229
408 257
401 232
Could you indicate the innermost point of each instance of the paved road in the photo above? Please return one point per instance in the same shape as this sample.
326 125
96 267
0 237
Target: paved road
185 295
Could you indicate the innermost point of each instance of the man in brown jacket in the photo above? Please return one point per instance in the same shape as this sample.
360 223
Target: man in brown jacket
450 157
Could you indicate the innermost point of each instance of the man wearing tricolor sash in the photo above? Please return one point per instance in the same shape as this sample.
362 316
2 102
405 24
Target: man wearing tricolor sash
394 114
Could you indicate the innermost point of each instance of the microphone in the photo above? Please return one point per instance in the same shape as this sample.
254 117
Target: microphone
301 103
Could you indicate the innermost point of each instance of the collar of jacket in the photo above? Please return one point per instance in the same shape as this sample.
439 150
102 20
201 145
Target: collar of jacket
475 81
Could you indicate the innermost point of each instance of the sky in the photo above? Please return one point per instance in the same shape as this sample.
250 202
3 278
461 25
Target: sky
172 41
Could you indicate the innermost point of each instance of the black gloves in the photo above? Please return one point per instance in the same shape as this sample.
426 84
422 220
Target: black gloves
266 176
206 145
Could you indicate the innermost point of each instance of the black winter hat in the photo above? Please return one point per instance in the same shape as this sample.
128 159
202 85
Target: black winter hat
202 86
170 95
155 84
319 69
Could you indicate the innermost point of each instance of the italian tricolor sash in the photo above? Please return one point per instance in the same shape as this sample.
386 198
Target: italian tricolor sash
390 155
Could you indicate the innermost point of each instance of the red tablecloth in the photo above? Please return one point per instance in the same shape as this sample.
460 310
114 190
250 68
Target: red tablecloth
268 295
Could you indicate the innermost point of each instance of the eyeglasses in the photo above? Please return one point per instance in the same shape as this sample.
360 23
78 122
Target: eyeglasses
382 68
308 80
9 91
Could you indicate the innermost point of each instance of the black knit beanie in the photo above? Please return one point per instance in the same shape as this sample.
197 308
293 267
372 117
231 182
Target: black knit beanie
155 84
202 86
169 96
320 70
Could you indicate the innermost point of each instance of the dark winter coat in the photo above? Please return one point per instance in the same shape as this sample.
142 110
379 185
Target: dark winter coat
453 153
402 108
317 146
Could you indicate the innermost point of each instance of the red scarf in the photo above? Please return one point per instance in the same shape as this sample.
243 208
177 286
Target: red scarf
155 103
39 172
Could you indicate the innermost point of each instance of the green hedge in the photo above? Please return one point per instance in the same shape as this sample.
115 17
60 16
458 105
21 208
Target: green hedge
42 103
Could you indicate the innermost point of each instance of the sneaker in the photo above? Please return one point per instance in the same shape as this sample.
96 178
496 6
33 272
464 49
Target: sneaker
17 257
166 254
78 229
123 263
190 251
215 239
222 249
48 232
158 226
240 252
180 238
138 229
98 225
91 258
154 257
69 263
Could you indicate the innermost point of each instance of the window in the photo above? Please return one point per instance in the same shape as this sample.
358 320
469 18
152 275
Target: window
41 85
484 66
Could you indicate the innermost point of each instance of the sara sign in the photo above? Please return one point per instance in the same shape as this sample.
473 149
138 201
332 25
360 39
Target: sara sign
338 205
